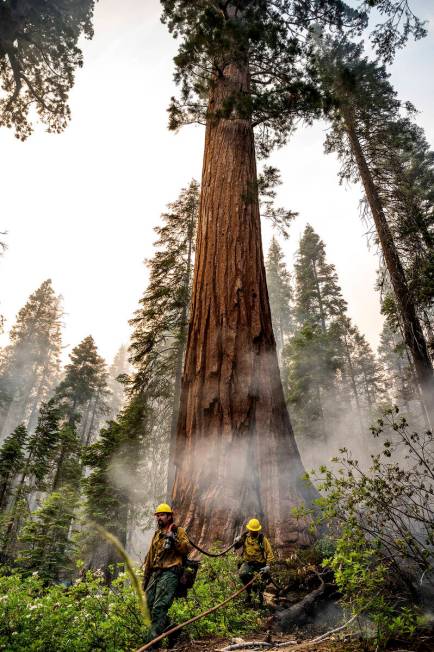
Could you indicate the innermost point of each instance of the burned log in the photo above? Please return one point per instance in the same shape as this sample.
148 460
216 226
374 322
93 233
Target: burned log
298 613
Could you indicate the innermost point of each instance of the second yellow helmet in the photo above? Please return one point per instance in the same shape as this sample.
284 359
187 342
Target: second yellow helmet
254 525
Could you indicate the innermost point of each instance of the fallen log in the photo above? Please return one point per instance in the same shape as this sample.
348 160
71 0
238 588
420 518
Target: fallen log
297 614
305 645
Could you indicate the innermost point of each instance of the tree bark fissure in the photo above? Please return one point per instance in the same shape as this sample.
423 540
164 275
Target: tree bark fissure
236 453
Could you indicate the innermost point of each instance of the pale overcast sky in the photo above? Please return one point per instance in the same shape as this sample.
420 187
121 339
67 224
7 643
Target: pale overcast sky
80 207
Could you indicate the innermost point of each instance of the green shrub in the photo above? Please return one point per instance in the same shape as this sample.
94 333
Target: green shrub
217 580
85 616
91 616
368 588
381 519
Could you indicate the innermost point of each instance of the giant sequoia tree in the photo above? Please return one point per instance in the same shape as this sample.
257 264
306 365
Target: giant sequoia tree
38 56
241 64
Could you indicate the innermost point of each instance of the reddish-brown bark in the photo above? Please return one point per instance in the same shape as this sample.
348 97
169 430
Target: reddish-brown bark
411 326
236 454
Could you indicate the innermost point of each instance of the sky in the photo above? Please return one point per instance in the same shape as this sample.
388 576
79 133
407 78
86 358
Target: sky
80 207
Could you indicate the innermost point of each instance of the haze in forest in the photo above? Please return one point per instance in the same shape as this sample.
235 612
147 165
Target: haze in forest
91 196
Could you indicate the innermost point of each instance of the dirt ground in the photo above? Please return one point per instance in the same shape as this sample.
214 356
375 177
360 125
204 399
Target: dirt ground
212 645
422 644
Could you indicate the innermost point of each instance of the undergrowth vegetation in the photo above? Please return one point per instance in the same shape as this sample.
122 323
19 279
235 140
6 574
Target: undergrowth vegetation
89 615
380 524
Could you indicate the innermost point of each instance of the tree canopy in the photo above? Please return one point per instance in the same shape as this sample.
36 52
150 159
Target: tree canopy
39 54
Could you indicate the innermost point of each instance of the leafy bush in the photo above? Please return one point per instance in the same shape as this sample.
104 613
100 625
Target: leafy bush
368 587
383 521
85 616
216 581
91 616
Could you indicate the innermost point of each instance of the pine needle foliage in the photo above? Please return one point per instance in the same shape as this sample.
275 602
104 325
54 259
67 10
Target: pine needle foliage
39 54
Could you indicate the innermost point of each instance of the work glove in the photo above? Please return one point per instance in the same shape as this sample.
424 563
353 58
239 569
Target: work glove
238 541
265 570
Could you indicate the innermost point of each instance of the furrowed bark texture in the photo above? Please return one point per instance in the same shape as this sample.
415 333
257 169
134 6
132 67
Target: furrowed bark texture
236 453
412 329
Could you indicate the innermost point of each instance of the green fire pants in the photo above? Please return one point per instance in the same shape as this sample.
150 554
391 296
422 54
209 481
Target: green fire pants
160 595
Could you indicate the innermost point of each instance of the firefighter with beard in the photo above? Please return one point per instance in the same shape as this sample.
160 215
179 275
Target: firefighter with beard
162 568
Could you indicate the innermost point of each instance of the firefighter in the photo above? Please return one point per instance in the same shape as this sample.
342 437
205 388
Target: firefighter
256 556
162 568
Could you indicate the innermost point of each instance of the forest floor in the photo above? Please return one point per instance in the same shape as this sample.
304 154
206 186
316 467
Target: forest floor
216 644
301 640
303 645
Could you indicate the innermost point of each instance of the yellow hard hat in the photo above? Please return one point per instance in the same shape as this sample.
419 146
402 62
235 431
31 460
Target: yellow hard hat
254 525
164 508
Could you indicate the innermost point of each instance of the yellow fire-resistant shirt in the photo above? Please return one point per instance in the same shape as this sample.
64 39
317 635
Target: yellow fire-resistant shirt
159 558
252 550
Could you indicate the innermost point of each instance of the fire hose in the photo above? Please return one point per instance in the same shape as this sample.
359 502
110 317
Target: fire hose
208 611
224 552
202 615
211 554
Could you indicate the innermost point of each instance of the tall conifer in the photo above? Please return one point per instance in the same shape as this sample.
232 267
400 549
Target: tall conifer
12 456
279 292
160 324
373 142
30 364
83 393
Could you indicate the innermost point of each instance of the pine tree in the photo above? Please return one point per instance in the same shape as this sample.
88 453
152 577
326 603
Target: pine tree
38 56
368 371
46 545
53 460
312 365
42 447
279 292
160 324
83 393
118 373
105 503
12 458
67 464
361 374
318 297
315 351
400 386
30 364
119 482
366 124
333 376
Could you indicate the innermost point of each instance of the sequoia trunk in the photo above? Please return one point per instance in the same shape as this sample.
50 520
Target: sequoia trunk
236 452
